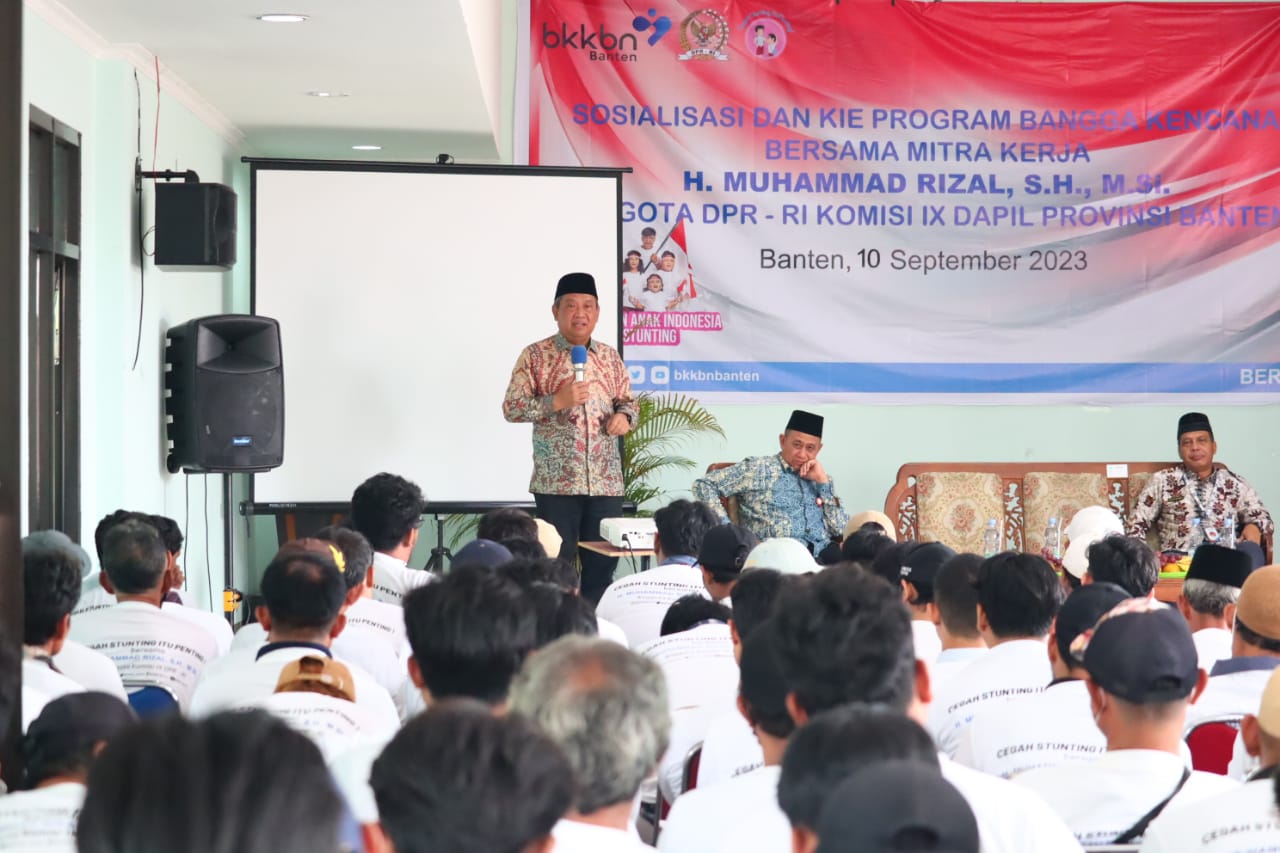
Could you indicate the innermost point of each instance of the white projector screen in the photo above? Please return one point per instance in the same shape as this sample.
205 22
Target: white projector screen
404 295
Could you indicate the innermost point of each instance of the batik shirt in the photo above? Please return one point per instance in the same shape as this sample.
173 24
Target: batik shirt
572 452
774 500
1175 497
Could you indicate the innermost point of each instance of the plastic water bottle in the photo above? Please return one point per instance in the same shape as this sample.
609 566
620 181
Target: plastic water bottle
1053 538
1196 538
991 539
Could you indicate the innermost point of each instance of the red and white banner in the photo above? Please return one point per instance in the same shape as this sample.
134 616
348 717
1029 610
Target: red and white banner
901 200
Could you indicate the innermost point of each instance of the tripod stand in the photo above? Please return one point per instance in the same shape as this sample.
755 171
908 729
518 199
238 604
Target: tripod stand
441 552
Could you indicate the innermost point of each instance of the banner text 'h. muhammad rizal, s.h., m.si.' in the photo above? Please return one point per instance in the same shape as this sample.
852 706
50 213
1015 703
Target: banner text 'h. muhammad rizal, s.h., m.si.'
895 201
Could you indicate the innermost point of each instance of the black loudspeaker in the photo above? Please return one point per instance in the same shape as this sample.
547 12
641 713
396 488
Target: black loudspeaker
225 400
195 227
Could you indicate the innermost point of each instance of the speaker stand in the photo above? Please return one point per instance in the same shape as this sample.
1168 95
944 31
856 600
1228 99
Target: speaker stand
439 553
230 595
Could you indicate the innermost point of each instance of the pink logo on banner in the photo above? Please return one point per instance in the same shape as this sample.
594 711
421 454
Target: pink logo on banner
764 35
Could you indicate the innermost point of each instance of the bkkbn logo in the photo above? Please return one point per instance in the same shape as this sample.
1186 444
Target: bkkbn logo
660 24
585 39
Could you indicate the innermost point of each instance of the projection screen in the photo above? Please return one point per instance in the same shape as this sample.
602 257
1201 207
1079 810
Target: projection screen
404 295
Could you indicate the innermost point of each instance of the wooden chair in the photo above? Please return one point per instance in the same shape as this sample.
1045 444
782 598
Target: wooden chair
692 761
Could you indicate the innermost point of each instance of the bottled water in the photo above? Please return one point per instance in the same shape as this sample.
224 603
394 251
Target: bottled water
1053 538
1196 539
991 538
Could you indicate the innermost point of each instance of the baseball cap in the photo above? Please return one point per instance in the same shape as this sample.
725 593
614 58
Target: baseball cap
549 537
1220 565
920 566
77 720
725 548
856 522
1140 651
896 805
1259 605
1081 611
317 674
1089 525
1269 707
784 554
481 552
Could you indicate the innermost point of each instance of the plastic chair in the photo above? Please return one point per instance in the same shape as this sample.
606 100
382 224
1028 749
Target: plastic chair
1211 742
152 701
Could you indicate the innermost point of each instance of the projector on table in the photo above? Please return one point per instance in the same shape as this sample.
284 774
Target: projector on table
634 534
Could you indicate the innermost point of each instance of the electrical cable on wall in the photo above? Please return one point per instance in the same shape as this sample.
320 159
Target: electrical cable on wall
142 258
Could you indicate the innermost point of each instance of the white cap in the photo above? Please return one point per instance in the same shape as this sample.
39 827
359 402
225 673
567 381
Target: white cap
1093 518
1089 525
783 554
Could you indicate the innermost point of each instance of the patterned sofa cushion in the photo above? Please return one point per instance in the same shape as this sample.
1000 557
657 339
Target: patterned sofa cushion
954 507
1056 494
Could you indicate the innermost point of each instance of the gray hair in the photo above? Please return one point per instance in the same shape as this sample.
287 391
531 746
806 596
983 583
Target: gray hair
605 706
1208 597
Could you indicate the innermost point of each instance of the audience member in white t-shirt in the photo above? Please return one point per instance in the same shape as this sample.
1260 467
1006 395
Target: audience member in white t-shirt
637 602
303 595
387 509
954 613
1209 597
149 646
700 820
845 636
50 587
607 708
828 749
731 747
92 594
459 779
61 745
1018 597
1142 674
919 570
215 623
1241 819
695 652
1056 725
1235 685
240 781
470 632
1090 524
722 557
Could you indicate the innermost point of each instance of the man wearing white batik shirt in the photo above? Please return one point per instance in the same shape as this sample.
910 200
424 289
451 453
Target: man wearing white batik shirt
1210 594
1240 820
700 818
387 509
148 646
607 709
1056 725
845 636
1141 675
954 613
696 656
303 594
637 603
1018 597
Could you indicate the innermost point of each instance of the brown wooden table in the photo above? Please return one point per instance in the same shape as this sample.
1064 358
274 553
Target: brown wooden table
602 547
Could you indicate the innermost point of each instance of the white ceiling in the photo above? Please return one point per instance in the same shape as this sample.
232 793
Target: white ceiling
419 81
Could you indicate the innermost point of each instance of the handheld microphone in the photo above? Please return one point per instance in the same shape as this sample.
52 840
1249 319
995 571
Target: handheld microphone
578 355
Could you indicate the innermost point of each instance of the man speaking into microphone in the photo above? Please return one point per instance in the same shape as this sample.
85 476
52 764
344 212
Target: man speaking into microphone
576 393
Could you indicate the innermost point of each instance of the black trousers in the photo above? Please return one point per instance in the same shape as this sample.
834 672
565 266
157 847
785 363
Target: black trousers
577 518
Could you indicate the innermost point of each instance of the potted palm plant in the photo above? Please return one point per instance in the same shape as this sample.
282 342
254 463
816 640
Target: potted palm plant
665 421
